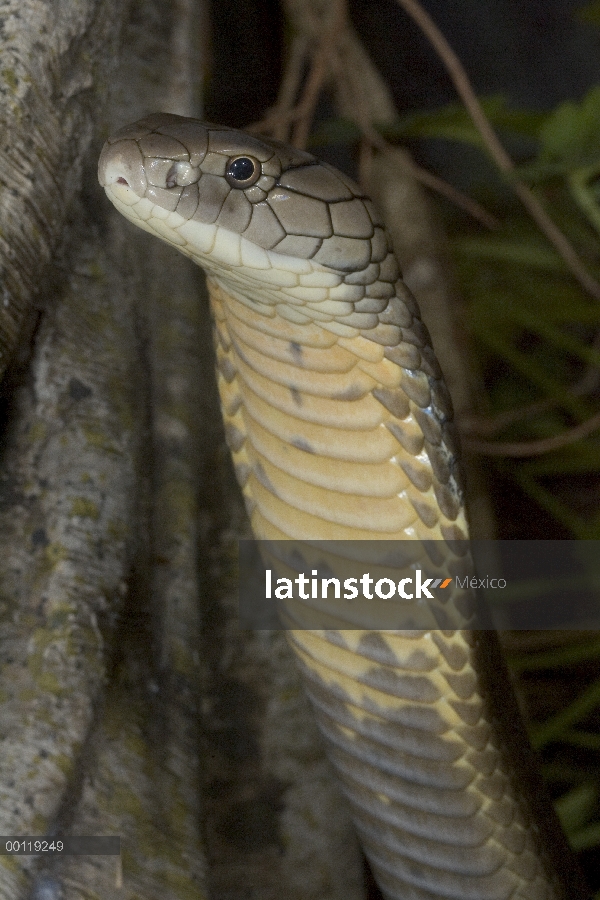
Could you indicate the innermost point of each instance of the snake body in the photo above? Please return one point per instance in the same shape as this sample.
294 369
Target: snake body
340 428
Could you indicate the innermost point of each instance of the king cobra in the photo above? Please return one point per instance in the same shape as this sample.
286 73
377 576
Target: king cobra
340 427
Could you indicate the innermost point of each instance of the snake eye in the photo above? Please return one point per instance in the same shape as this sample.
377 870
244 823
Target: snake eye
243 171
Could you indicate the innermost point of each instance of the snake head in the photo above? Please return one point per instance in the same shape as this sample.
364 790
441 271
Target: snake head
232 201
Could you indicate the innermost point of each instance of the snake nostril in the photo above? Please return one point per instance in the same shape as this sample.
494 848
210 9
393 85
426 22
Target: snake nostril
182 174
171 179
122 181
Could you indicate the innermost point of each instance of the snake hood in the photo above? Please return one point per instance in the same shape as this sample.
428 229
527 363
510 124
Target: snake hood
230 200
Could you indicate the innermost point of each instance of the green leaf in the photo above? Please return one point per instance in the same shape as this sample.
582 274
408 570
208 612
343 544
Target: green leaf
568 655
585 838
539 170
553 728
579 458
453 122
589 13
571 134
334 131
575 808
513 252
588 740
582 529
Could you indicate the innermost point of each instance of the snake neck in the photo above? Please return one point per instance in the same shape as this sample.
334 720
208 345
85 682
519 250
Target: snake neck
351 431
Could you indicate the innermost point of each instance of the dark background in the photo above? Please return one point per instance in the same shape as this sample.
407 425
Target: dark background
533 51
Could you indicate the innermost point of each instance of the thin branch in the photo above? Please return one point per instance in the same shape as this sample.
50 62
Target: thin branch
428 179
279 117
365 160
290 86
361 117
274 120
478 212
318 73
471 424
534 448
463 86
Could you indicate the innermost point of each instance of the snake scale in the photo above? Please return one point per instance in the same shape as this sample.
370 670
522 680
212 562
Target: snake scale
340 427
